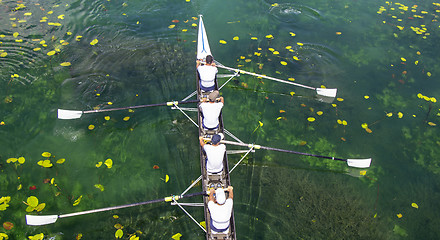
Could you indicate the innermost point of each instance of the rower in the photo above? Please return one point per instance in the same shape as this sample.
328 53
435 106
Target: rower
207 74
220 209
215 153
211 110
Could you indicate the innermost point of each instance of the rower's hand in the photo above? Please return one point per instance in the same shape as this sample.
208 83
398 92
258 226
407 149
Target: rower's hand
230 188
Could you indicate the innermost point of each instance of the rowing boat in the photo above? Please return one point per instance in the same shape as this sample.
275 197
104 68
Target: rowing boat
211 180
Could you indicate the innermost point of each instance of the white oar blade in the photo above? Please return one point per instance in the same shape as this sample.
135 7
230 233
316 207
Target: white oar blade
359 163
69 114
327 92
35 220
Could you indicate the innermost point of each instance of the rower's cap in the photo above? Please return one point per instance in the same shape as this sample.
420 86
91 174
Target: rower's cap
213 96
220 196
216 139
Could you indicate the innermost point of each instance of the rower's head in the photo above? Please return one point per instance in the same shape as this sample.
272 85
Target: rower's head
213 95
209 59
216 138
220 196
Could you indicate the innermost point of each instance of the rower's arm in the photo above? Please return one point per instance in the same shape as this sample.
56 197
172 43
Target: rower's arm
231 193
197 63
211 195
202 142
222 100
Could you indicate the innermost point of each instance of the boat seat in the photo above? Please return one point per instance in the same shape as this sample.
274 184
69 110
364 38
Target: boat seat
222 236
215 178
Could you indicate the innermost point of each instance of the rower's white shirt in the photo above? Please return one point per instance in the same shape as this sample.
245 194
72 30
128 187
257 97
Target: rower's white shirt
215 155
211 112
207 75
221 214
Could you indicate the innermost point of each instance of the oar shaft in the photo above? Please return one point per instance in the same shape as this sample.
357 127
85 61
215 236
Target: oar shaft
280 150
142 106
267 77
166 199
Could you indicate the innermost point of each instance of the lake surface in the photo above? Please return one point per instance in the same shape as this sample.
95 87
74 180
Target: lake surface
83 55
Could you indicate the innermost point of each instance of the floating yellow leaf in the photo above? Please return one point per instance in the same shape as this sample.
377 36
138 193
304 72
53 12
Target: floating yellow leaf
300 44
414 205
61 160
107 118
363 172
400 115
194 25
171 26
109 103
236 38
185 30
167 178
292 93
37 49
51 53
45 163
222 41
311 119
276 52
91 127
32 201
65 64
433 99
254 38
126 118
319 113
278 118
108 163
3 54
39 236
119 233
100 187
399 215
46 154
61 16
98 164
78 38
15 34
77 201
340 99
115 216
134 237
400 27
339 121
416 62
9 160
389 114
432 124
261 124
283 63
296 58
178 235
344 123
203 224
94 41
364 125
40 207
118 226
269 36
403 59
428 74
366 97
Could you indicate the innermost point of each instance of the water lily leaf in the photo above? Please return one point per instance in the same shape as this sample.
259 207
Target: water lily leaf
118 226
400 115
119 233
65 64
98 164
94 41
176 236
61 160
40 207
3 54
46 154
134 237
108 163
9 160
3 206
45 163
32 201
39 236
21 160
414 205
77 201
100 187
8 225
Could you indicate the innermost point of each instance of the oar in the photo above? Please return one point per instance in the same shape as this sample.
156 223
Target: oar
73 114
357 163
37 220
327 92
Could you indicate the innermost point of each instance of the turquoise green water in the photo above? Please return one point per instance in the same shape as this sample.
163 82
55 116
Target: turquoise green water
379 60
